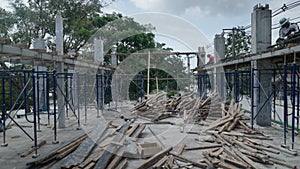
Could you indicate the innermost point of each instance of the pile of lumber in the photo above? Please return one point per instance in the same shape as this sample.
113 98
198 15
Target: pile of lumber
232 151
233 145
159 107
58 153
88 151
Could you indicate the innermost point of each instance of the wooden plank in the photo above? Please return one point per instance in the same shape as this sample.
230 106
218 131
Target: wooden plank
31 150
84 149
161 162
122 164
282 163
151 161
214 125
181 149
226 166
180 157
203 147
282 149
52 155
108 153
240 164
248 160
113 164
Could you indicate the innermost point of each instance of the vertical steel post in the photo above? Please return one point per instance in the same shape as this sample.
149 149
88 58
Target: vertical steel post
97 95
102 92
293 102
274 94
285 104
298 98
47 96
67 94
34 115
252 97
78 101
54 106
37 102
141 87
4 144
85 101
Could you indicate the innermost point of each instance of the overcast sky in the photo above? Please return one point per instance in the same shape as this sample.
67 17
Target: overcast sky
208 17
186 24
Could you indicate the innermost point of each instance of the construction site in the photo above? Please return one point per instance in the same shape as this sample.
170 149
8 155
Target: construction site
241 111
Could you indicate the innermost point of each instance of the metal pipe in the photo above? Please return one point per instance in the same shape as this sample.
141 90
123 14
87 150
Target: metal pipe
38 100
78 102
293 103
34 116
54 107
3 111
67 95
97 94
252 97
47 96
102 92
85 102
285 104
298 98
274 95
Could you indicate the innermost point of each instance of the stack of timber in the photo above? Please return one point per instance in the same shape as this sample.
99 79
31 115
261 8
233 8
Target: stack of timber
159 107
234 145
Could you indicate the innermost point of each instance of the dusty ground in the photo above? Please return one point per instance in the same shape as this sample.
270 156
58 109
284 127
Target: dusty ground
169 135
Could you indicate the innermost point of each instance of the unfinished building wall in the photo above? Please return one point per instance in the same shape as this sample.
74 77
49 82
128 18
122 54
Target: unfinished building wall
219 52
261 39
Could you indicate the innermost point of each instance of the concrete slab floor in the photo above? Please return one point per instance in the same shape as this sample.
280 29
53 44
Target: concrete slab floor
169 135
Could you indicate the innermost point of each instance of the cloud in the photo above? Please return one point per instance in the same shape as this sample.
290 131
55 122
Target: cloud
203 8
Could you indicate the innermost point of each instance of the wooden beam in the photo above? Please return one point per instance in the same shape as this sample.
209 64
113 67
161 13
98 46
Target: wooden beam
154 159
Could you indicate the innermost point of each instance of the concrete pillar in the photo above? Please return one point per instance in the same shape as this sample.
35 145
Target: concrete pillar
60 95
60 69
114 61
201 57
261 22
39 43
219 43
98 50
219 53
262 89
59 34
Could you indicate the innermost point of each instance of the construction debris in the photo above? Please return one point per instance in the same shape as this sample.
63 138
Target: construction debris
230 144
158 107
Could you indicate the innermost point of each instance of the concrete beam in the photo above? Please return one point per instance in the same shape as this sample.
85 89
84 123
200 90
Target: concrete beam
27 54
258 56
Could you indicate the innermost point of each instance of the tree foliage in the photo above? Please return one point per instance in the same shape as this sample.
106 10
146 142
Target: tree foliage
241 40
37 19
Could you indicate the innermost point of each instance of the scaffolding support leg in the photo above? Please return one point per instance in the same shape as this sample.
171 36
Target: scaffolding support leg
78 102
97 95
54 105
35 155
285 106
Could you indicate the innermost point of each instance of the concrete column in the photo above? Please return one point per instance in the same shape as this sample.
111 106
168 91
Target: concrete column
60 69
39 43
98 50
114 61
59 34
219 53
201 57
261 22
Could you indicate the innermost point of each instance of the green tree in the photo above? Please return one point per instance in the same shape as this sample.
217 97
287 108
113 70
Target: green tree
6 23
240 40
37 19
